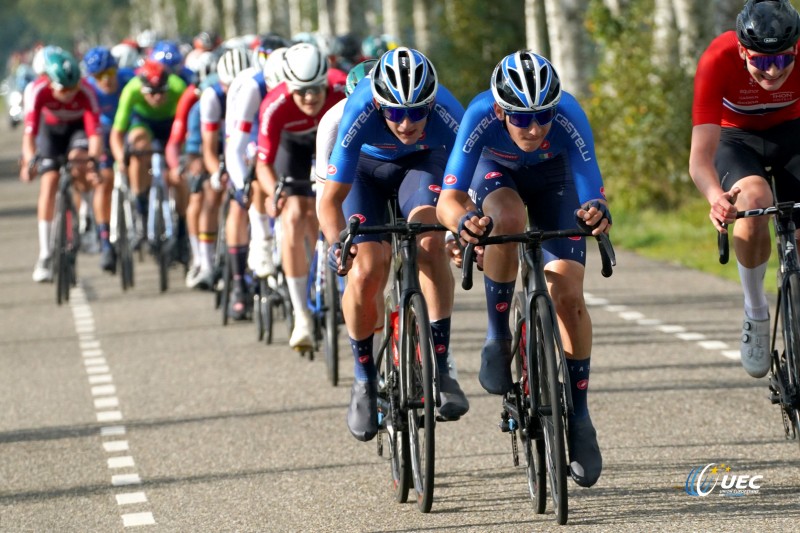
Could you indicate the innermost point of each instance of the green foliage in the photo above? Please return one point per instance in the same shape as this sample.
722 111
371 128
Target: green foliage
475 36
641 114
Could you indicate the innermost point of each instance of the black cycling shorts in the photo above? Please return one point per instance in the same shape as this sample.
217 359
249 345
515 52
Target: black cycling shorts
747 153
55 141
295 158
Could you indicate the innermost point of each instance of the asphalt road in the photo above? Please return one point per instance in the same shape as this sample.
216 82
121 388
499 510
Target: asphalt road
140 411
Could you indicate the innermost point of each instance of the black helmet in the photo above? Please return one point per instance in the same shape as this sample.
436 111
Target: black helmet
768 26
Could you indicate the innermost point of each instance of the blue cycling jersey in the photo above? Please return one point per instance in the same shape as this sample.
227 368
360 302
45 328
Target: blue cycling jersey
108 101
483 135
363 129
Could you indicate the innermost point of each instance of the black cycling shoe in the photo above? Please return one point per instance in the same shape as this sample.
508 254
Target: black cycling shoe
108 260
454 403
237 308
585 460
495 373
362 415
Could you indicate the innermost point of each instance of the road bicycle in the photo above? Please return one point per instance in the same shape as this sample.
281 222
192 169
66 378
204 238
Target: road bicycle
160 225
323 299
65 235
537 407
784 374
122 234
408 381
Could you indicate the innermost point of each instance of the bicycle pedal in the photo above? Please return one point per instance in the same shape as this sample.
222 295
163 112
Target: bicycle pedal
440 418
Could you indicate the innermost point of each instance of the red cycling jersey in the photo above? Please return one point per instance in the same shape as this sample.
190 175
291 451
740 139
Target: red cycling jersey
82 106
725 92
179 124
279 113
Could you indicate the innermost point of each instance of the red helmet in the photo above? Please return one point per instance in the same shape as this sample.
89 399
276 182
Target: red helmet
154 76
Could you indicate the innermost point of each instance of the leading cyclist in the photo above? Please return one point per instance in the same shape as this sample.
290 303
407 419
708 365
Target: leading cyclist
526 144
746 115
394 136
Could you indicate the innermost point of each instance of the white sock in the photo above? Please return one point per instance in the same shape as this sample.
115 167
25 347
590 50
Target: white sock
259 225
297 292
207 250
44 238
194 243
755 299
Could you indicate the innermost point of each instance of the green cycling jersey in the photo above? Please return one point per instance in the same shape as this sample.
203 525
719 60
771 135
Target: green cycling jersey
132 101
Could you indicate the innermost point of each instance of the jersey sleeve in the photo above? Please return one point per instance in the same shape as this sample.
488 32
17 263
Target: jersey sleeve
708 89
122 118
178 132
580 149
326 137
33 107
271 124
448 112
468 144
210 110
358 120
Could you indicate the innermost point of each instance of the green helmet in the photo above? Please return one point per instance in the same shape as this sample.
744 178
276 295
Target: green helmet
356 73
63 70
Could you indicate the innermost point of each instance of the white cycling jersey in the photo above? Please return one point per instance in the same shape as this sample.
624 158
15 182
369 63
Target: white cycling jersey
242 103
327 130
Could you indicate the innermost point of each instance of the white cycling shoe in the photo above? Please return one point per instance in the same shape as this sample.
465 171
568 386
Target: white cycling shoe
755 347
42 272
259 258
301 338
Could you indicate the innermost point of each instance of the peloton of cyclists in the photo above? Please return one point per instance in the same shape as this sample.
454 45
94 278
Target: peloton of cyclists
516 149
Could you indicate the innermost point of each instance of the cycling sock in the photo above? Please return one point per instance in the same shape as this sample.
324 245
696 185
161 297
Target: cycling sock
755 299
102 233
181 233
364 368
297 292
194 244
498 303
440 331
142 201
207 246
259 225
44 238
579 384
238 256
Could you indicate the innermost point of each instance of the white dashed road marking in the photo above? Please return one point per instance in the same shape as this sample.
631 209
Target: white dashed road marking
106 404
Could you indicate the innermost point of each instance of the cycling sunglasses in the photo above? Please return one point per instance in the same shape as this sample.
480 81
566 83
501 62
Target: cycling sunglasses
525 119
153 90
106 74
398 114
313 90
763 63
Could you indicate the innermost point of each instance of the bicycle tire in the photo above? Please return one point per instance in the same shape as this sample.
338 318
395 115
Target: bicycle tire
396 425
59 247
258 310
791 319
163 252
225 292
530 428
331 324
551 409
73 245
418 360
124 254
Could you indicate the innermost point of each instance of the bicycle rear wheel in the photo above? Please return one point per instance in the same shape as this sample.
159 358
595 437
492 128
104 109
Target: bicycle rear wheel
124 253
791 316
225 291
331 324
419 375
551 408
163 251
530 427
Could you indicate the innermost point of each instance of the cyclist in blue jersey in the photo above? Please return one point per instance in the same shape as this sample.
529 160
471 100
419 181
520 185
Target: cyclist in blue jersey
527 144
107 80
168 53
395 134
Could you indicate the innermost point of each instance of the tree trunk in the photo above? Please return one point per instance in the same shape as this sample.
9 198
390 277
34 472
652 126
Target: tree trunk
324 20
422 34
391 18
273 17
342 17
247 17
536 27
725 13
229 27
570 49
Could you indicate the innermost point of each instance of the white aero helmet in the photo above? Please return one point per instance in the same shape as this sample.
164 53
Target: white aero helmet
231 63
304 66
273 68
126 55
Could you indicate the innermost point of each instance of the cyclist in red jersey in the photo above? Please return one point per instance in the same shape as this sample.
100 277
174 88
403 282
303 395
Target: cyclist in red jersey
287 132
746 116
65 117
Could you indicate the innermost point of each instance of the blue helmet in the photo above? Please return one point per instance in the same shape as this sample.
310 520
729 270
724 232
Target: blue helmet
524 82
98 59
404 77
168 53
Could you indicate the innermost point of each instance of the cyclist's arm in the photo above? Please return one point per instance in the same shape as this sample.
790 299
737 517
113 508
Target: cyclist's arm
267 177
116 140
705 139
210 122
122 120
331 218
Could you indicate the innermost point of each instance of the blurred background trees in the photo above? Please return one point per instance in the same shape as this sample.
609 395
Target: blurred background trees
630 62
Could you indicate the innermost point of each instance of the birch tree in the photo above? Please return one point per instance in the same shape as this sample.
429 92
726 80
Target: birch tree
421 19
391 18
229 18
570 48
683 29
536 27
273 17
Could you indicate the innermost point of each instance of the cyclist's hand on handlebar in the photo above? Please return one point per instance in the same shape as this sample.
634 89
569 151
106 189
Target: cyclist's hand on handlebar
723 210
215 180
334 258
453 251
594 215
27 171
473 226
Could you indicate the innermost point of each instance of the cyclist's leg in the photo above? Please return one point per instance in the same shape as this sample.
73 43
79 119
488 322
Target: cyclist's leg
237 239
740 161
195 175
262 243
102 209
494 190
365 282
139 138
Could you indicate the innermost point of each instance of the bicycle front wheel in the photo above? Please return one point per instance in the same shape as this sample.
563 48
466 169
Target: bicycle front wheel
331 324
163 252
530 427
418 358
59 250
124 253
791 325
551 405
